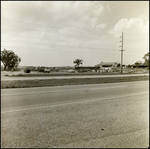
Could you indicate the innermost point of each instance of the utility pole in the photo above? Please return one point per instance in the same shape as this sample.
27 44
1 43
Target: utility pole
121 52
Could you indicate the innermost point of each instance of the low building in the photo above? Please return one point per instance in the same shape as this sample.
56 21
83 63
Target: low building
107 64
140 66
87 68
107 67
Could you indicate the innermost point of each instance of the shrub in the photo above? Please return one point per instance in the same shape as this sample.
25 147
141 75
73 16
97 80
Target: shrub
27 70
41 69
16 69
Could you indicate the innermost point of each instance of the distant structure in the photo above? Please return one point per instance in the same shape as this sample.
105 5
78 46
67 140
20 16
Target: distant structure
142 65
107 64
87 68
101 67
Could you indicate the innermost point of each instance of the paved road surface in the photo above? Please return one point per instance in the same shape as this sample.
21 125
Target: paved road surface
103 115
67 77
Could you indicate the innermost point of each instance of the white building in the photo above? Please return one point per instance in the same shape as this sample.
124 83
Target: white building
107 66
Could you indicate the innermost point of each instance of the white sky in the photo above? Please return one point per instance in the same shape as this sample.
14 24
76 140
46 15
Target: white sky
55 33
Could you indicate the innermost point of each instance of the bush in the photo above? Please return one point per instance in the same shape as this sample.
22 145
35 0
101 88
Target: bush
41 69
16 69
27 70
9 69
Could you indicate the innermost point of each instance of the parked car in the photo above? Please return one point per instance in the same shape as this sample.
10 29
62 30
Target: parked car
46 70
71 70
130 71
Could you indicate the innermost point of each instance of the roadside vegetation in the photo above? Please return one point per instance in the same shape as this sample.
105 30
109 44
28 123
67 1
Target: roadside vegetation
11 68
73 81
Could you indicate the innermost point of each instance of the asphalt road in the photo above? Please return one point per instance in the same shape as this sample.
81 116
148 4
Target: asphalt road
111 115
67 77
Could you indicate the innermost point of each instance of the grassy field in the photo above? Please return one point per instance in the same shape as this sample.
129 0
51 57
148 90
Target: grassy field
36 73
33 74
73 81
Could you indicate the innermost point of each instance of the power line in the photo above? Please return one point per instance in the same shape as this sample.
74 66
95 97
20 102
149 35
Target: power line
30 23
50 31
22 27
56 28
6 8
63 50
133 51
47 26
43 30
27 13
42 25
135 43
61 40
69 40
56 45
61 34
99 48
39 15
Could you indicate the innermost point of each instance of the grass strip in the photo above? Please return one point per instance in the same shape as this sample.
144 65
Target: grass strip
73 81
63 74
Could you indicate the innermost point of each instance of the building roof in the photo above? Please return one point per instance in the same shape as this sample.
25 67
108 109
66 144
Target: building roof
86 67
106 64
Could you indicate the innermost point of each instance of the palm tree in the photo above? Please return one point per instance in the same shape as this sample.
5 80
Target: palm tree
78 62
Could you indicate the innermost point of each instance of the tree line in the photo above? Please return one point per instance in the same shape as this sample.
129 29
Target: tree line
11 60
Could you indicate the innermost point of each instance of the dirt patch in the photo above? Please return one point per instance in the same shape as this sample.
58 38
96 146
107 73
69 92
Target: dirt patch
73 81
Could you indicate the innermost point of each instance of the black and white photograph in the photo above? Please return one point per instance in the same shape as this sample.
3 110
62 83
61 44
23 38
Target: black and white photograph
74 74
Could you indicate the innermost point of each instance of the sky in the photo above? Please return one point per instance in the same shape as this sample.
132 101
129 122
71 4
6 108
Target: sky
55 33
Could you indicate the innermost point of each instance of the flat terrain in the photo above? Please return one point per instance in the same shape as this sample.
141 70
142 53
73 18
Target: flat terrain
110 115
24 82
19 79
65 76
